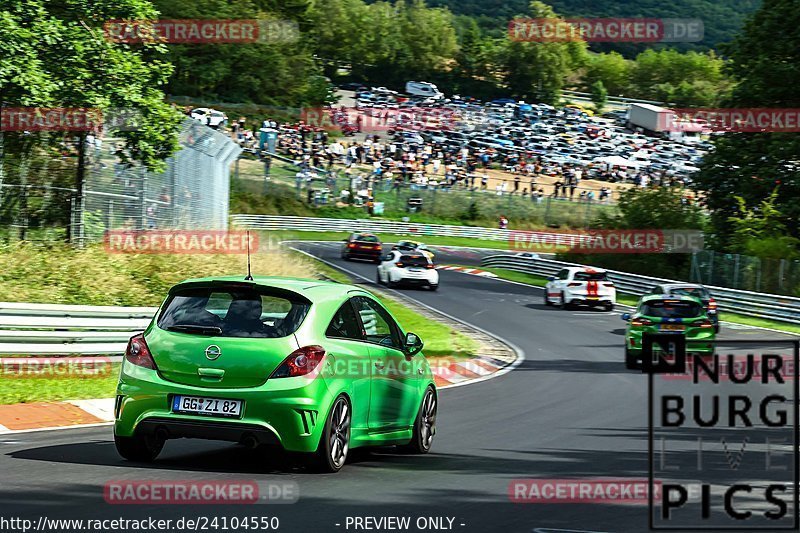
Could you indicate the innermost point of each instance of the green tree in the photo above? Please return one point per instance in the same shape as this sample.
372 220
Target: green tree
655 208
538 70
56 55
761 231
766 70
698 79
612 69
599 96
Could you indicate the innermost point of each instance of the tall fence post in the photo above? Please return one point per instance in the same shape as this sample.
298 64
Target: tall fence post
143 200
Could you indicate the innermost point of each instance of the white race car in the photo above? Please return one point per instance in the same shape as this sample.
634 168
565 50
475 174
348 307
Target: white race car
407 268
581 285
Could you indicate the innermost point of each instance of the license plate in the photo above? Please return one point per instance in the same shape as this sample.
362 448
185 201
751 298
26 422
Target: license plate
207 406
671 327
592 297
414 270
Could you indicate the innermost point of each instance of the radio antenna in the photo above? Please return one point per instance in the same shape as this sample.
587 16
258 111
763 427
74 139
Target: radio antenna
249 276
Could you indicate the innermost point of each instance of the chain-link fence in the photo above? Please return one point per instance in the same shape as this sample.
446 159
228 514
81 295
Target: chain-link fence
192 193
394 198
774 276
39 199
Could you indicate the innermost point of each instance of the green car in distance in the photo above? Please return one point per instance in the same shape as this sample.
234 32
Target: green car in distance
309 366
679 315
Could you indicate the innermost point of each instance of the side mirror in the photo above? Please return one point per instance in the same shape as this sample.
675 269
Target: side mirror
625 316
413 344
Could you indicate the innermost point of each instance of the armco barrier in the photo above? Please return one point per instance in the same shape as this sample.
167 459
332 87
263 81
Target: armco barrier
754 304
278 223
45 329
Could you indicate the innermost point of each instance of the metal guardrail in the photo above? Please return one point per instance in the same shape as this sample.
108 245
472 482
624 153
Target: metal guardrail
45 329
281 223
753 304
614 99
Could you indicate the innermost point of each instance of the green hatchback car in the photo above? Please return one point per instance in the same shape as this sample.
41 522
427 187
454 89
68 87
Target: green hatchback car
679 315
310 366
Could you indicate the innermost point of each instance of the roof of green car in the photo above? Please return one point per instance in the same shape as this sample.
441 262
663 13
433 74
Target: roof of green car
321 289
684 297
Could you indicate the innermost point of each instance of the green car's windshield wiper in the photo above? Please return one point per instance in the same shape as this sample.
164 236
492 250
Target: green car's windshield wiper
195 328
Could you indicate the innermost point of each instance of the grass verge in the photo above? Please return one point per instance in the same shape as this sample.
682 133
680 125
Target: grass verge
440 339
632 300
52 388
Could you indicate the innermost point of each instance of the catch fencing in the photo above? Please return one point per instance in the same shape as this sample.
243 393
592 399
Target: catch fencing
39 199
192 193
753 304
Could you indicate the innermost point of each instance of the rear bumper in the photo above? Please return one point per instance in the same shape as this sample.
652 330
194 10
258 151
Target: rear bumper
600 300
358 254
169 428
289 412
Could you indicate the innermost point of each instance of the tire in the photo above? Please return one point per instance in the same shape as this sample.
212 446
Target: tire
142 448
346 257
433 287
334 443
547 301
630 360
389 283
716 328
608 307
378 278
563 303
424 424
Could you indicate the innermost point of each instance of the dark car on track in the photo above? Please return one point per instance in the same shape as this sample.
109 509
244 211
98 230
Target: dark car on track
691 289
362 246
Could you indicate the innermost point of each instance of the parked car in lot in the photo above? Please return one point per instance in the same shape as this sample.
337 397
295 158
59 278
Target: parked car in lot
362 246
692 289
679 315
407 268
209 117
580 286
253 362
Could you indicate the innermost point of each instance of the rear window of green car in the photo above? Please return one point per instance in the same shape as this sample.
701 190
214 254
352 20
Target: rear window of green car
671 309
240 312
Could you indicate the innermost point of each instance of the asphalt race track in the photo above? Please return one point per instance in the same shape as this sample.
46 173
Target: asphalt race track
569 410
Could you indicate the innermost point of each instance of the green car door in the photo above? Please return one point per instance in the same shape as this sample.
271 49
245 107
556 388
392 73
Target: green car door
394 398
349 362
